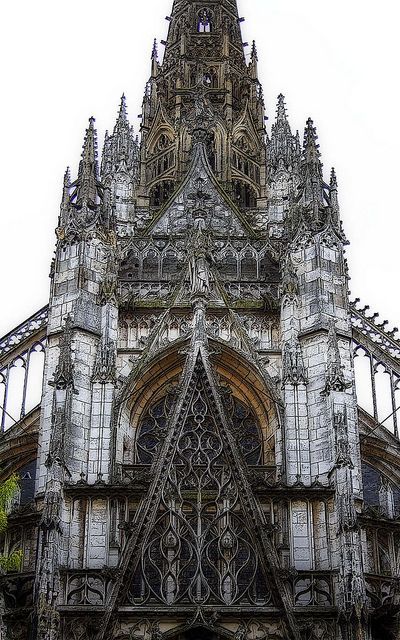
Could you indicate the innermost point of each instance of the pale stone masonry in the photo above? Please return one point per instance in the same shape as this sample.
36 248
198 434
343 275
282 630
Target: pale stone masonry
203 467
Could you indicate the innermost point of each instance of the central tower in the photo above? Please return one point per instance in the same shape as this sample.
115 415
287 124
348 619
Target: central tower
204 79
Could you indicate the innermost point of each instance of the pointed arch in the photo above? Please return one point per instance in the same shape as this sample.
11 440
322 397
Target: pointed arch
236 373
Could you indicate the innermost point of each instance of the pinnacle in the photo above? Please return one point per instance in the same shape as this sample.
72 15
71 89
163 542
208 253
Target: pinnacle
281 109
254 55
90 143
86 184
67 177
66 187
122 115
154 52
311 148
333 183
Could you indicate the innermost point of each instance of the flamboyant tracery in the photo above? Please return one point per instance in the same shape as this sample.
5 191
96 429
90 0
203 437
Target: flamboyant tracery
153 427
200 549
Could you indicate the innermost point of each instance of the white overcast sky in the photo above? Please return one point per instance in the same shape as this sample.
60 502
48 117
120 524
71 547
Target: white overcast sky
335 60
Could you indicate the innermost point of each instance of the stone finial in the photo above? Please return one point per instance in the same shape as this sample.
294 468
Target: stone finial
154 59
87 184
66 188
281 109
283 153
312 188
333 193
122 115
254 54
335 380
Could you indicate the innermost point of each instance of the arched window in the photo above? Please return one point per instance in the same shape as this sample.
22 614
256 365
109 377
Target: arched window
151 265
229 265
249 266
161 192
211 152
130 267
210 78
204 21
169 264
201 546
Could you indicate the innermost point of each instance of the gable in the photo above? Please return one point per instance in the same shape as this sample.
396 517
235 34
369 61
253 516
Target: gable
200 198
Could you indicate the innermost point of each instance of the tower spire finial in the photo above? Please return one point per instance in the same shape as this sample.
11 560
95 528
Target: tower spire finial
122 116
154 51
311 147
154 59
66 186
87 183
312 188
254 54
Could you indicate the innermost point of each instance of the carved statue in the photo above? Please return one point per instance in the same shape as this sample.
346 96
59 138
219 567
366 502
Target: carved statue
199 265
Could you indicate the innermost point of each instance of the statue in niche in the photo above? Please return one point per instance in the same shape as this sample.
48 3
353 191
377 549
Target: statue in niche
199 263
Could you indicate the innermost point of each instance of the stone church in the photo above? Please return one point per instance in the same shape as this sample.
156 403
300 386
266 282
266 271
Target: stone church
214 453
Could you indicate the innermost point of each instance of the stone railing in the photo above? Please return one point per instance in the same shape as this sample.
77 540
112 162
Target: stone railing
23 332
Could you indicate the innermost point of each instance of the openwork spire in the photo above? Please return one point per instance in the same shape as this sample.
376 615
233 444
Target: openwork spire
187 19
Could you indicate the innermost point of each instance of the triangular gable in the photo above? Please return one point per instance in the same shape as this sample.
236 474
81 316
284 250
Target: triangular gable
200 195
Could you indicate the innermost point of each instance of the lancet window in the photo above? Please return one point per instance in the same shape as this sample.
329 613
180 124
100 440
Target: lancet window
151 265
210 78
204 21
229 265
245 196
248 266
380 493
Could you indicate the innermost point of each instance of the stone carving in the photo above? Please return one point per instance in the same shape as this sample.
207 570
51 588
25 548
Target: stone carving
64 373
108 287
57 441
290 283
294 371
335 380
104 367
343 453
199 265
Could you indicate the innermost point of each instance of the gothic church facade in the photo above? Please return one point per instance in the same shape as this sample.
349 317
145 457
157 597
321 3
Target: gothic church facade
199 465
